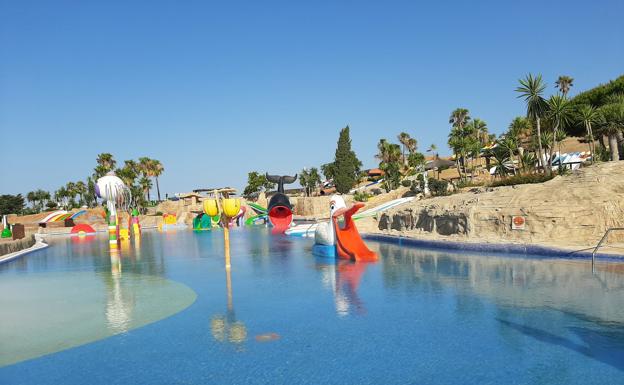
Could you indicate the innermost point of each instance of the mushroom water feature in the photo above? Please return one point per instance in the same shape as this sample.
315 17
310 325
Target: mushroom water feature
117 196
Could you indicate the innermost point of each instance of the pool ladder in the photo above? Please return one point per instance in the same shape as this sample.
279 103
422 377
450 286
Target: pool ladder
602 240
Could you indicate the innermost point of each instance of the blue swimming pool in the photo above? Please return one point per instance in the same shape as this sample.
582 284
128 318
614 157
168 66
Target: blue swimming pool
162 314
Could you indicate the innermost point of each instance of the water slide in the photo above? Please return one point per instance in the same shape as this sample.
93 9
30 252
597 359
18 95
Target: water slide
307 230
349 243
280 209
257 208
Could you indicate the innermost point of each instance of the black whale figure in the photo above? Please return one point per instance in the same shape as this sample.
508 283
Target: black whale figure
280 209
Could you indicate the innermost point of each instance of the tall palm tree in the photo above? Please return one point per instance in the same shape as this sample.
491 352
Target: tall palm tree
588 114
564 83
404 138
531 90
559 111
459 117
157 170
389 155
611 123
146 167
457 141
146 185
412 145
105 163
81 190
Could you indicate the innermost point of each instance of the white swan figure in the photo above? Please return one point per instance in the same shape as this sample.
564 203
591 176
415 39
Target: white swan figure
325 234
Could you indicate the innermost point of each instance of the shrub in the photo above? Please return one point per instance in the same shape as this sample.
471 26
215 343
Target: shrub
406 183
159 213
438 187
468 183
521 179
361 196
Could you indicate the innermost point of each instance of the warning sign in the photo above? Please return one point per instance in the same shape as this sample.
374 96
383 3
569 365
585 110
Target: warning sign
518 222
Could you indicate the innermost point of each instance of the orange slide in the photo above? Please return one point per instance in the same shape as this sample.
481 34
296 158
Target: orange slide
349 244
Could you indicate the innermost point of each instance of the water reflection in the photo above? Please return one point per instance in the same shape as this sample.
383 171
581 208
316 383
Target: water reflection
226 328
120 302
343 278
566 286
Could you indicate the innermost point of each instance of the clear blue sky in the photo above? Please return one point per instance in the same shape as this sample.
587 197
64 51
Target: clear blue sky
216 89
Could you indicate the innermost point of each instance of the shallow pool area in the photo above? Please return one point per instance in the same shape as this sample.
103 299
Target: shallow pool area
166 312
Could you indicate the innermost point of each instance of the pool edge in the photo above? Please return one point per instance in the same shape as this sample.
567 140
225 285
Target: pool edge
501 248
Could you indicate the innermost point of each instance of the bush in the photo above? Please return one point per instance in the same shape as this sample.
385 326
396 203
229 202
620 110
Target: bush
361 196
438 187
522 179
468 183
159 213
406 183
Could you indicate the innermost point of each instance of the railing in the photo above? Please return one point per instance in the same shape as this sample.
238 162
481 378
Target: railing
604 238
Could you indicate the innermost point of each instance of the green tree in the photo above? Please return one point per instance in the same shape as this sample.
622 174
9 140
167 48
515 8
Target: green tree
11 204
157 170
559 112
90 197
389 155
38 199
256 183
81 190
146 185
404 139
328 170
70 187
531 90
105 163
564 83
309 180
588 115
346 164
611 123
458 138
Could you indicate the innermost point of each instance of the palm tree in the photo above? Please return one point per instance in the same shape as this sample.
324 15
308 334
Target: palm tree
519 129
146 168
105 163
404 138
146 185
432 150
389 155
611 123
564 83
559 111
457 141
81 190
412 145
588 114
459 117
531 89
61 196
157 170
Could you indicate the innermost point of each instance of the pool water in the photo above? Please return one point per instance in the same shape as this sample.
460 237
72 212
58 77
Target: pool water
165 312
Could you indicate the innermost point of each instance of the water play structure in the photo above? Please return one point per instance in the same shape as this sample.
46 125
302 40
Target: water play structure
341 240
133 223
226 208
202 222
261 217
117 195
309 229
6 229
82 229
280 209
61 215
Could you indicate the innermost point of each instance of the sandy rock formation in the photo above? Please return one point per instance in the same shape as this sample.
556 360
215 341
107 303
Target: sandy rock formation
573 210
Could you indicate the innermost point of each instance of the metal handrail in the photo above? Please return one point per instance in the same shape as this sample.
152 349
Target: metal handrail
604 237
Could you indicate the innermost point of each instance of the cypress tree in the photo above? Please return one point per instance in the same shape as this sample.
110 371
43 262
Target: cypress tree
346 164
